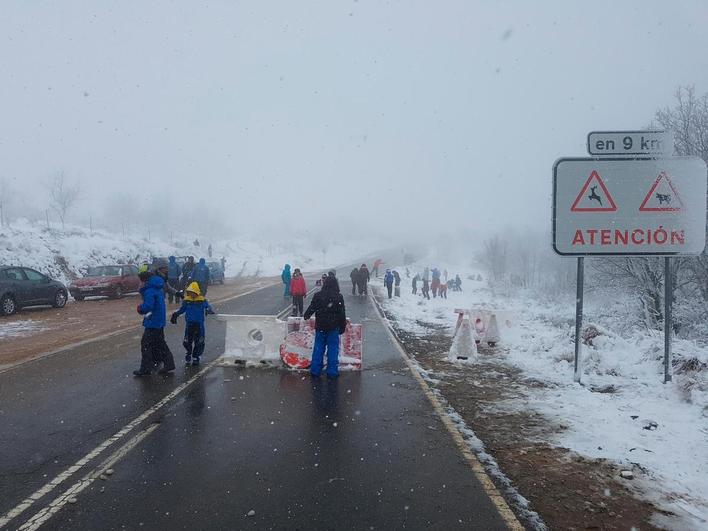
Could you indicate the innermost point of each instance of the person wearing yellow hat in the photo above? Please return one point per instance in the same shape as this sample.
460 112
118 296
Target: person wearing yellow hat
196 308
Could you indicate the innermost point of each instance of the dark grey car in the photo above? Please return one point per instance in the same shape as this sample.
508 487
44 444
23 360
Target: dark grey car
22 286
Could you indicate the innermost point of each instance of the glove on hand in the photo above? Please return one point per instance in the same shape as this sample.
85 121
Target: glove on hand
137 309
173 318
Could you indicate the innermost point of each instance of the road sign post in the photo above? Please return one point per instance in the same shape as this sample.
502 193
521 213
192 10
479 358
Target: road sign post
579 293
668 303
646 204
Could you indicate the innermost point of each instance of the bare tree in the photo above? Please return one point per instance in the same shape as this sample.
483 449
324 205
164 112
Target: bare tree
494 257
687 119
63 196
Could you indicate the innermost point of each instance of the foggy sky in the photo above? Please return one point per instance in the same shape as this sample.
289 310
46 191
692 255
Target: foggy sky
385 116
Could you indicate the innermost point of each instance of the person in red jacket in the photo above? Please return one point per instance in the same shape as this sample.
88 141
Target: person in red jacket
298 289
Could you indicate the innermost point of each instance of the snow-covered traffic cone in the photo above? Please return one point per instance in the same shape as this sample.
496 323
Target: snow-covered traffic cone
492 336
463 344
479 330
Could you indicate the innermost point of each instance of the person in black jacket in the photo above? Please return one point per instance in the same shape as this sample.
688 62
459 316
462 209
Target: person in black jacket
330 322
364 278
354 276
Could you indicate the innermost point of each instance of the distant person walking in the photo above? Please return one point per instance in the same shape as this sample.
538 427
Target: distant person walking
354 277
377 264
201 275
414 283
174 274
364 278
286 277
436 281
187 270
396 283
209 251
327 306
388 282
458 283
153 347
443 290
298 289
426 288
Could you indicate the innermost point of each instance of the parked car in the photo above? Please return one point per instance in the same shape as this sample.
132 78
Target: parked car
22 286
112 281
216 273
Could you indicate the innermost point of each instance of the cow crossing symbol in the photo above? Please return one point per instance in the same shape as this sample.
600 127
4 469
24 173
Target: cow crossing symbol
662 196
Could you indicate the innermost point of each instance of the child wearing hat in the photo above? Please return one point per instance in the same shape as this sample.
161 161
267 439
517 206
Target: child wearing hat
195 307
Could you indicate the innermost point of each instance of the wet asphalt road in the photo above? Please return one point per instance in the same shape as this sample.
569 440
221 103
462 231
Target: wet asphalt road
363 452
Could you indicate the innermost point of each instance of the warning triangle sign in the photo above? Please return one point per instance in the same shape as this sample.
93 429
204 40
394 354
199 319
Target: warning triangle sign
594 196
662 196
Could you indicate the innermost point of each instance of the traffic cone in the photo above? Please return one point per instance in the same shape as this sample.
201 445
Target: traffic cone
492 336
464 345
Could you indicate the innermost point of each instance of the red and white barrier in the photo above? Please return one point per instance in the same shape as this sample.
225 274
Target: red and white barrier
296 350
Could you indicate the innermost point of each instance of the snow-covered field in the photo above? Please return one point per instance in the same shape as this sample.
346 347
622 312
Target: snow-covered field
622 412
63 254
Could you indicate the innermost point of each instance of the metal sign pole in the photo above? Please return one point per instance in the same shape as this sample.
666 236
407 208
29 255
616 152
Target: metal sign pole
579 315
668 302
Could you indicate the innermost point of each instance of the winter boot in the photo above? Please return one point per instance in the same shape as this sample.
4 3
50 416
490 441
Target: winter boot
195 362
140 373
188 359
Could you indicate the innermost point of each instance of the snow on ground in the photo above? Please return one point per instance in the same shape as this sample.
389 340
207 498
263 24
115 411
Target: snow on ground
9 330
64 254
622 412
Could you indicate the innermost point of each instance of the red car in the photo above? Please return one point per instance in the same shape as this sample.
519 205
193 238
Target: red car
112 281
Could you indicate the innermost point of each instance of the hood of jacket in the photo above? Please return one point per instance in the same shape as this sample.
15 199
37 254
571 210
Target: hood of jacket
193 293
202 261
156 282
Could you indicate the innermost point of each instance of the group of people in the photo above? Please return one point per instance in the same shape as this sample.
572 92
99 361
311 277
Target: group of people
360 278
155 353
179 277
391 279
438 285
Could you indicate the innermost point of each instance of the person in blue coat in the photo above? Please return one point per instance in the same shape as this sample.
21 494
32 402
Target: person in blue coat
286 277
194 307
388 282
153 347
201 276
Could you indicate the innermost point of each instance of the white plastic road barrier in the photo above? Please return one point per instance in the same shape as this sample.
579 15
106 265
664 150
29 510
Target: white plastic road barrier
464 345
253 338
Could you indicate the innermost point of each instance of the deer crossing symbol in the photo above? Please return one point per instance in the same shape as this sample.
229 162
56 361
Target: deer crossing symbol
593 195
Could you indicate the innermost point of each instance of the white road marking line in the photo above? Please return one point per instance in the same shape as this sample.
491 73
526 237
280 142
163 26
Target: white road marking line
60 501
480 473
66 474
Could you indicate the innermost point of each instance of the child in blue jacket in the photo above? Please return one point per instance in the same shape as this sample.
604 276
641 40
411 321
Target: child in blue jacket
153 346
195 307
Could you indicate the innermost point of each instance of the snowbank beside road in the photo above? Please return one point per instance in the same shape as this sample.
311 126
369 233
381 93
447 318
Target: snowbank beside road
622 412
64 254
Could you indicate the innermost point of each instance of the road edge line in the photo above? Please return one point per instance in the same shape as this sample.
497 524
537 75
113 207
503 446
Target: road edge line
497 498
113 333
